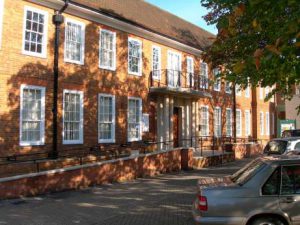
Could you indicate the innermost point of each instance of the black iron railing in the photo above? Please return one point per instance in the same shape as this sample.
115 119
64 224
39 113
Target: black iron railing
178 79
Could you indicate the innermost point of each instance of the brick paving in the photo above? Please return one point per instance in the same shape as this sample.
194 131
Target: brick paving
162 200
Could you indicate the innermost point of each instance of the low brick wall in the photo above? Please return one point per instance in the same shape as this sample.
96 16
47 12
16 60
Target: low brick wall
95 173
247 150
202 162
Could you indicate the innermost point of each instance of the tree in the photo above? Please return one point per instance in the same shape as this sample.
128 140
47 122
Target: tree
258 41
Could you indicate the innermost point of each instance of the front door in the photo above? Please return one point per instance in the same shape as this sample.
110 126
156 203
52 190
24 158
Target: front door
176 127
290 192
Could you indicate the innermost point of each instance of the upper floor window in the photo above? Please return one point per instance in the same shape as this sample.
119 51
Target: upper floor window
238 90
190 71
228 123
217 122
35 32
261 93
134 57
134 119
203 75
1 19
106 118
238 123
156 62
228 87
204 121
73 117
247 92
107 53
32 115
267 123
217 83
74 41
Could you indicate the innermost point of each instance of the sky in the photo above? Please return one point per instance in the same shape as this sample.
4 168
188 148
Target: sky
190 10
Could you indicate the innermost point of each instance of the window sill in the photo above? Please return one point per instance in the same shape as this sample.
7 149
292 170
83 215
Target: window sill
107 68
135 74
104 141
39 55
72 142
27 144
81 63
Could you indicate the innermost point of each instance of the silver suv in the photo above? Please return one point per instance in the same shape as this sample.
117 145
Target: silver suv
264 192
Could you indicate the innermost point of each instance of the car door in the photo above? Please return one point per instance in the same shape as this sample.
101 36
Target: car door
290 192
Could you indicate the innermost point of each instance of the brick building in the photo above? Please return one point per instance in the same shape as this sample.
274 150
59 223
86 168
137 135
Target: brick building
129 71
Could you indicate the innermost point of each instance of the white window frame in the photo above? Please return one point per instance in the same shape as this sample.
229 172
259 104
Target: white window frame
229 123
112 68
218 126
140 122
217 81
159 63
80 140
261 123
42 126
247 123
113 131
238 90
188 72
267 91
140 65
82 50
1 20
240 133
204 74
207 122
228 85
261 93
247 92
267 123
43 54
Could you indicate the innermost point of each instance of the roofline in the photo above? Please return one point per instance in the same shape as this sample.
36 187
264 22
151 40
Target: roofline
118 23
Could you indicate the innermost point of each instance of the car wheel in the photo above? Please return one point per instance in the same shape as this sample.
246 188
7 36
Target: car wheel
267 221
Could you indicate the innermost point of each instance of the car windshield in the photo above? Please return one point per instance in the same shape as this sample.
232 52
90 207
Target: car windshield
277 146
247 172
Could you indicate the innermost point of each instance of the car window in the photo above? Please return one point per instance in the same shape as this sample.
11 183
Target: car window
271 187
290 180
297 146
276 147
247 172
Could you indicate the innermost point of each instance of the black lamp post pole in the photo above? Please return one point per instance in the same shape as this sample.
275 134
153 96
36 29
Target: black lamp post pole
57 20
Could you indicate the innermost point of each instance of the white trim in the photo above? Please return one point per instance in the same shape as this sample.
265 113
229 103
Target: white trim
241 122
219 119
247 91
261 93
113 68
249 123
261 123
140 116
159 58
80 140
267 123
218 80
207 107
226 124
140 66
193 71
118 24
45 33
42 125
81 62
1 21
113 131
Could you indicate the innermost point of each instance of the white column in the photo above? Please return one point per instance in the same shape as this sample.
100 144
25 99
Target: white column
166 121
187 122
160 124
171 121
183 125
193 121
197 121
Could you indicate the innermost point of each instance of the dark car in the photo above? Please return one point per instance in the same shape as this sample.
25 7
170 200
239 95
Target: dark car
291 133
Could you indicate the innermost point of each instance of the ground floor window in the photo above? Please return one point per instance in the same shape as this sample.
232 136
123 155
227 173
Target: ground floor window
217 122
261 123
247 123
72 117
228 122
134 119
32 115
204 121
238 123
106 118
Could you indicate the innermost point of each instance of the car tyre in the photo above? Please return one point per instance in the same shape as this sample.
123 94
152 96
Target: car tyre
267 221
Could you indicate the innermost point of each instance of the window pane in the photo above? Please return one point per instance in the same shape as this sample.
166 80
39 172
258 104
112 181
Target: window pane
271 187
74 41
107 49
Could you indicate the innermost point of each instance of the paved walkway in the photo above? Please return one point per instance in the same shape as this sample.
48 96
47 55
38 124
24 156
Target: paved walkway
162 200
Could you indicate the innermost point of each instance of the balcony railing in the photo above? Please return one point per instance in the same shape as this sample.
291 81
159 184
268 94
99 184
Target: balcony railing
178 79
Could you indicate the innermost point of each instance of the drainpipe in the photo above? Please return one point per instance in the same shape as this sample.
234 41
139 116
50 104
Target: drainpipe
57 20
234 112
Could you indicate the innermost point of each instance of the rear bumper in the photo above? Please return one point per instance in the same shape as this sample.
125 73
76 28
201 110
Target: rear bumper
204 220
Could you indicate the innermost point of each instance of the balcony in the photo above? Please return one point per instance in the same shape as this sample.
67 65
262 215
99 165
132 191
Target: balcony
178 83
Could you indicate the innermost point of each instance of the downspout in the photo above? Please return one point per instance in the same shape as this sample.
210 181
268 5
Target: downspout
57 20
234 112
